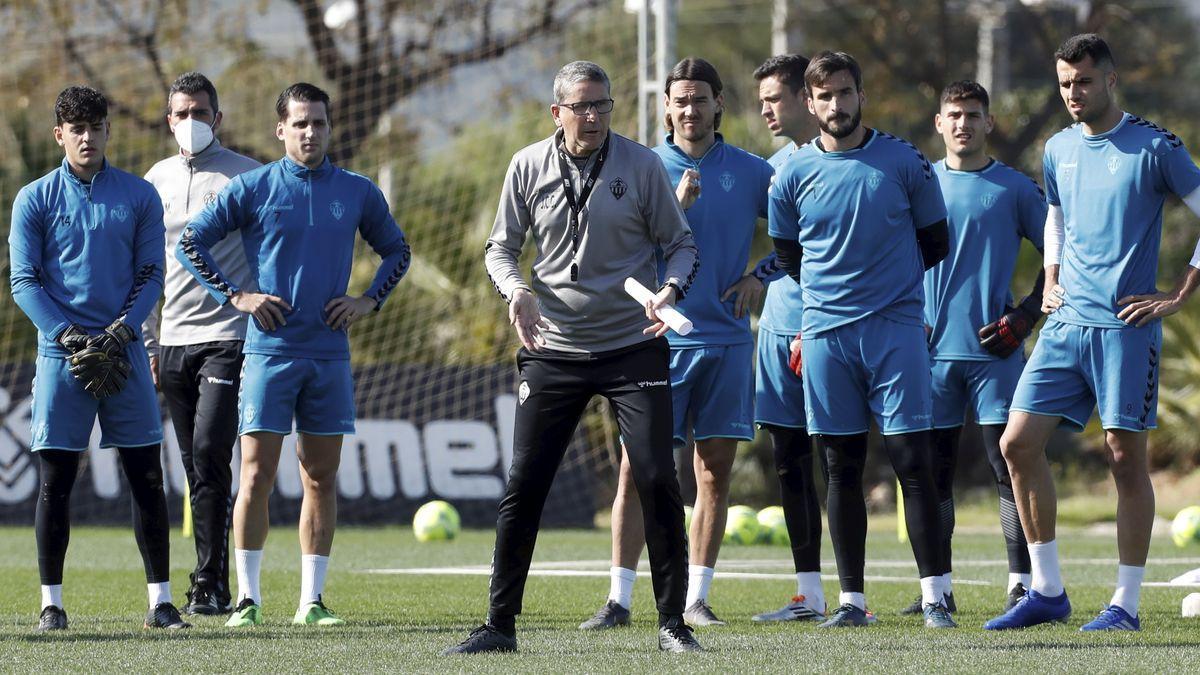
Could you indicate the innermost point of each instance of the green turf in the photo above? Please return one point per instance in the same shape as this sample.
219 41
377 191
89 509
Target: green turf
402 622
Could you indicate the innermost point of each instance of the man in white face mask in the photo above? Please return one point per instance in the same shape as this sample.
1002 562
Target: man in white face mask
196 357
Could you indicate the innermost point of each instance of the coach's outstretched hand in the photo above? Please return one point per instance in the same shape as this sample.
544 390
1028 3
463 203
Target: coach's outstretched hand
343 311
1005 335
524 315
267 310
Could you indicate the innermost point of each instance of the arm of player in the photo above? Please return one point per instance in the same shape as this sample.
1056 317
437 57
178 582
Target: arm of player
669 229
747 292
789 254
1138 310
148 259
934 242
210 226
1053 294
25 259
380 230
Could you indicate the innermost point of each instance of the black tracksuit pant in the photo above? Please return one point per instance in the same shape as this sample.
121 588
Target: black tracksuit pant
200 383
554 389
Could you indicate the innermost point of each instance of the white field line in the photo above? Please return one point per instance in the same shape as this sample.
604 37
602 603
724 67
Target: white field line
785 563
603 574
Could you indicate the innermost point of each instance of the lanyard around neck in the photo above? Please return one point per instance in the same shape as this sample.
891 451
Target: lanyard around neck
576 205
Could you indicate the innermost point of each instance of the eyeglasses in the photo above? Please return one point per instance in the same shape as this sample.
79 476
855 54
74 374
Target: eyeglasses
603 106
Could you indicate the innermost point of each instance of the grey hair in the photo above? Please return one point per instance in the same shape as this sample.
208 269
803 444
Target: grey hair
575 72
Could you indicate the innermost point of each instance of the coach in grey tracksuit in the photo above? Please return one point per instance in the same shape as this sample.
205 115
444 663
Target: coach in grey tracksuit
582 335
196 357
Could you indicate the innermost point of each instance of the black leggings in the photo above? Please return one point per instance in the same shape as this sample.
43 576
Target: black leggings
801 508
52 523
910 457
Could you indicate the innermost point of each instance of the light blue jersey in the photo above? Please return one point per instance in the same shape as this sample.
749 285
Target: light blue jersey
855 213
1111 188
733 196
84 253
784 303
989 212
298 227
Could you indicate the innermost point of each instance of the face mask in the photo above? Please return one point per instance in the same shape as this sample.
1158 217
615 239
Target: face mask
193 136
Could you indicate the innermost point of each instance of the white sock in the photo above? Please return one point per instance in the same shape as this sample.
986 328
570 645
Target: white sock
620 588
1129 588
1015 578
1046 578
249 567
52 595
931 590
699 580
312 577
808 585
859 600
947 587
158 593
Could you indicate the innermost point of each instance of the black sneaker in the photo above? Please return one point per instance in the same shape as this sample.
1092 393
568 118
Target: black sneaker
676 637
202 600
700 613
937 616
164 615
918 607
1014 596
483 640
52 618
848 616
611 615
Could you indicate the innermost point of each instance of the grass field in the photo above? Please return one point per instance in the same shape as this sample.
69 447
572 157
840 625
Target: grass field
401 621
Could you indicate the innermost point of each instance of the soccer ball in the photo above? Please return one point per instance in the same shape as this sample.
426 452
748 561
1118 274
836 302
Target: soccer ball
1185 530
436 521
773 526
741 526
687 519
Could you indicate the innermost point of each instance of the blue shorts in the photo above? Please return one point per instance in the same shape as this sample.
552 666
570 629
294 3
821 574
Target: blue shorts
712 390
63 415
319 393
1074 369
986 386
778 392
870 367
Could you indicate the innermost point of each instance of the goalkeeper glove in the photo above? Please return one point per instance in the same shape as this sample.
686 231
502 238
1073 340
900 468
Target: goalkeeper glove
114 339
73 339
795 358
101 376
1005 335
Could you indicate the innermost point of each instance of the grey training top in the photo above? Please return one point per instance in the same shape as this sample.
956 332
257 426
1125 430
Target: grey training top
632 211
189 314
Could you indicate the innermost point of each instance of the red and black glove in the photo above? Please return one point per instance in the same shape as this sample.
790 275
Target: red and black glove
1005 335
795 358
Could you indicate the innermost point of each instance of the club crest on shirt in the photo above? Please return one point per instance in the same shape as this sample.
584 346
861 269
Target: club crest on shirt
874 180
988 199
1113 164
727 181
337 208
522 393
120 212
617 187
209 198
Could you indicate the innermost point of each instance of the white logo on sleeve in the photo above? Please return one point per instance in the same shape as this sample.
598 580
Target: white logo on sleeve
644 384
217 380
522 393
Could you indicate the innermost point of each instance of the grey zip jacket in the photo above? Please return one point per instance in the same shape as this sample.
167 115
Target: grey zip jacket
189 314
631 212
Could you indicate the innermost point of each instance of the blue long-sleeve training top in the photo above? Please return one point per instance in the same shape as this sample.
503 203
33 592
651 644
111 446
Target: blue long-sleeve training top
85 253
298 226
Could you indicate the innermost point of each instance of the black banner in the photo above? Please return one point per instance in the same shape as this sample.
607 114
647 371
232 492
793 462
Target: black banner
423 433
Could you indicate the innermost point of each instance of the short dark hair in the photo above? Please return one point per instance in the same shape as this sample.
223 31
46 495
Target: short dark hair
301 91
192 83
824 65
693 68
80 103
1078 47
965 90
787 68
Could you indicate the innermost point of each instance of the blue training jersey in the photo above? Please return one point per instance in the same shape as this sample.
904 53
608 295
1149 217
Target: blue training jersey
85 253
855 213
733 196
784 303
298 228
989 212
1111 188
